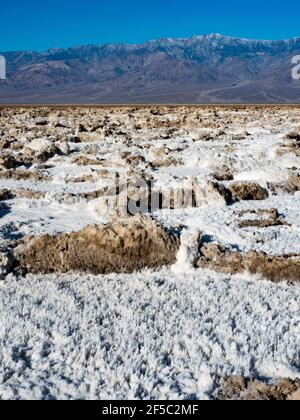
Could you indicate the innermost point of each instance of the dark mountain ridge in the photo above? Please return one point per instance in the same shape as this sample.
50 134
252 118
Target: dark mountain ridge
201 69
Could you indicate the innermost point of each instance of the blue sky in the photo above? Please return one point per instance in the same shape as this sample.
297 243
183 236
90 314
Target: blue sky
38 25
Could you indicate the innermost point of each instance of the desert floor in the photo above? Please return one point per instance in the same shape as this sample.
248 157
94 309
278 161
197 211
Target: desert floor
150 252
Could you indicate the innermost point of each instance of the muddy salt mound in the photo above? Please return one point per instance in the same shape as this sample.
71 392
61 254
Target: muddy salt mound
126 246
248 191
273 268
238 388
41 149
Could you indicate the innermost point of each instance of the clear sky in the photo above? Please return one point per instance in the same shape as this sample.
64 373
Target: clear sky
39 25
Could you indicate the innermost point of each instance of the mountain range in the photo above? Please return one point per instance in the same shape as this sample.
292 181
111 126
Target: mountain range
202 69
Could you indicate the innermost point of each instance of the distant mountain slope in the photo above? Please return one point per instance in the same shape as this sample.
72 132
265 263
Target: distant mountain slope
209 68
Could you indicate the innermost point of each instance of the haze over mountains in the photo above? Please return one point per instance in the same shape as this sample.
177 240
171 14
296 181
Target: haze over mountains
202 69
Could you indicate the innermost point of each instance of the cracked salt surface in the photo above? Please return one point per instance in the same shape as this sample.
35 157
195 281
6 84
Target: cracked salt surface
221 223
152 335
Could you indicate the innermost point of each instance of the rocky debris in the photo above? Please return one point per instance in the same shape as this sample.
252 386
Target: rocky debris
240 136
240 388
271 217
20 193
217 257
293 145
5 144
286 267
5 195
74 139
125 246
29 194
42 122
63 148
82 128
208 136
223 173
271 213
215 192
247 191
225 260
94 176
293 136
81 179
7 263
8 162
167 162
291 186
93 195
161 152
289 148
41 150
132 160
4 208
86 161
23 175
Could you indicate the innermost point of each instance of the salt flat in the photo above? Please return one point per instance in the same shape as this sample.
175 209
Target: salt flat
225 181
151 335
